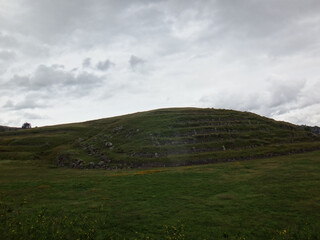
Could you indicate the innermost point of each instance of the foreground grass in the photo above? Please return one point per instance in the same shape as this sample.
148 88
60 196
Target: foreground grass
276 198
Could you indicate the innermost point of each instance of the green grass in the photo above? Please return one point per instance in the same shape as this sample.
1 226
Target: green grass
275 198
264 198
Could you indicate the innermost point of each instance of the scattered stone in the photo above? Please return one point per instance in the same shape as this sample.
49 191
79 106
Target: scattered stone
101 163
117 129
77 164
91 165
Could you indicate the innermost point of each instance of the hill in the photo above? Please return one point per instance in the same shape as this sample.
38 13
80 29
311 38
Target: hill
164 137
6 129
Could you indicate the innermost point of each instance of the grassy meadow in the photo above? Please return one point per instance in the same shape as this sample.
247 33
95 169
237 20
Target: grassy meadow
271 198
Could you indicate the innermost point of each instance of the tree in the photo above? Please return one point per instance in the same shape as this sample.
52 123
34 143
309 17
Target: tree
26 125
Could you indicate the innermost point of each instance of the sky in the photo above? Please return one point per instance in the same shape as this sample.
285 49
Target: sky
70 61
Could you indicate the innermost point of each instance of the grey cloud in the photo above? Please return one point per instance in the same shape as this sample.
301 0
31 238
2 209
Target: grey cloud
280 96
56 80
273 27
74 17
284 92
7 41
7 55
42 19
32 116
311 94
30 102
261 19
135 61
232 100
86 62
86 24
241 40
278 27
104 65
57 66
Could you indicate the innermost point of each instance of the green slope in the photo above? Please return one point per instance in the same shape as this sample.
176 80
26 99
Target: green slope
164 137
6 129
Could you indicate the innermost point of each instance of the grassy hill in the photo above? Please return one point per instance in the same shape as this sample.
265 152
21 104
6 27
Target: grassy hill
6 129
164 137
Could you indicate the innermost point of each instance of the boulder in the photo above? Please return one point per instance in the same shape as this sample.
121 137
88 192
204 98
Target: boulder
91 165
77 163
109 144
73 165
101 163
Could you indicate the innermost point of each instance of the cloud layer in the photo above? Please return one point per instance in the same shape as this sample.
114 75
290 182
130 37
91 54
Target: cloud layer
64 61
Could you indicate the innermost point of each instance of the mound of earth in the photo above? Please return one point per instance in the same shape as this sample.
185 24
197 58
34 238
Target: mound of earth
164 137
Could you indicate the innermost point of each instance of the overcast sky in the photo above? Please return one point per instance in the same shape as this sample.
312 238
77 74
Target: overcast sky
75 60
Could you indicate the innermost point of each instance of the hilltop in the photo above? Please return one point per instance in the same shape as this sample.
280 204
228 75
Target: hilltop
163 137
6 129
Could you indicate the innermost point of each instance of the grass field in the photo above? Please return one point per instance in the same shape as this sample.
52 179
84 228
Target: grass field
274 198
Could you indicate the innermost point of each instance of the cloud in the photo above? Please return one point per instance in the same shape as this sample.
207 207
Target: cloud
7 41
279 26
32 116
276 28
58 66
86 63
279 97
104 65
135 62
56 79
7 55
218 51
284 92
29 102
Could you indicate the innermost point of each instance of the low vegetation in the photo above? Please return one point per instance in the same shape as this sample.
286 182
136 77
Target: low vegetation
6 129
165 137
276 198
150 176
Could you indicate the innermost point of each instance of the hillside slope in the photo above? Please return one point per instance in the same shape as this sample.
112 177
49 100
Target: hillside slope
164 137
6 129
